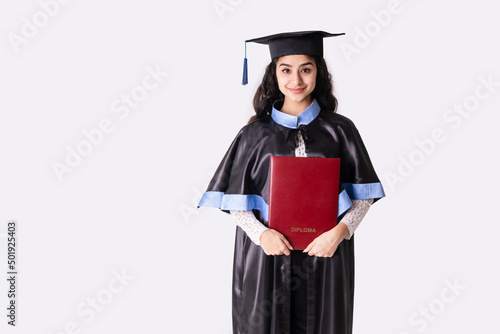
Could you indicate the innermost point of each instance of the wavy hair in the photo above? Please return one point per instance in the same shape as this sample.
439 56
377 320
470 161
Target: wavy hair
268 91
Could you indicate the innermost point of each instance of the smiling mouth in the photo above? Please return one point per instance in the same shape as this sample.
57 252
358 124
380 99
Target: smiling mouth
296 90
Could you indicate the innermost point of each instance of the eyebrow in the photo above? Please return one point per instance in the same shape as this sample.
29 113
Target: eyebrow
301 65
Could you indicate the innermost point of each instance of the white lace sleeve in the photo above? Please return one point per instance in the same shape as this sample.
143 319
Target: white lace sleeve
251 225
355 215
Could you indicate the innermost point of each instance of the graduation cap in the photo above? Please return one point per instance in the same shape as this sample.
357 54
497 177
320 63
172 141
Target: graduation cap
290 43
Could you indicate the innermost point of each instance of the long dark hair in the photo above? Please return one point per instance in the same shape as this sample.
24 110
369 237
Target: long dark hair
268 91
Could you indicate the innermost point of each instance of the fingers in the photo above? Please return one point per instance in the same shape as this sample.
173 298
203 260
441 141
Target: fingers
278 247
275 243
308 248
287 243
279 251
313 248
284 246
319 249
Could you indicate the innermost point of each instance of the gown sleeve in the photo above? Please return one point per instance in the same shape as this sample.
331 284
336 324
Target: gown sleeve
233 186
357 174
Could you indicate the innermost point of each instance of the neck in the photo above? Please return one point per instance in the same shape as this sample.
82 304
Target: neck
295 108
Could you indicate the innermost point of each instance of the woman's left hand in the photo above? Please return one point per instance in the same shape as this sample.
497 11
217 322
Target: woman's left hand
326 244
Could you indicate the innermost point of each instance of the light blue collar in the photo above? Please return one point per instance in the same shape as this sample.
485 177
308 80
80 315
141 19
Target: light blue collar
290 121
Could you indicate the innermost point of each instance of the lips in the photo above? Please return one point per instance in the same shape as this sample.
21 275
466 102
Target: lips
296 90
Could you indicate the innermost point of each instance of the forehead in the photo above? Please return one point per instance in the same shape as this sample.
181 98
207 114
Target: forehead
296 60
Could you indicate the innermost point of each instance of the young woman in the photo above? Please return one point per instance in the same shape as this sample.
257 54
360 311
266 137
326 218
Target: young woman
277 289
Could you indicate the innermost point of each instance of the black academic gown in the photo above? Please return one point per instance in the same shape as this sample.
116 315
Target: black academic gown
261 283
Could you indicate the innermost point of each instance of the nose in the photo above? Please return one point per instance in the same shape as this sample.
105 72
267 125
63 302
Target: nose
297 78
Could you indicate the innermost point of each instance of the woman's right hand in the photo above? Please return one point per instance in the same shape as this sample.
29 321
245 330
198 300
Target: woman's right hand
274 243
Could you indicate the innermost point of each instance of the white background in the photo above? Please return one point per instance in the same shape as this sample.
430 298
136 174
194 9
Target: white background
128 206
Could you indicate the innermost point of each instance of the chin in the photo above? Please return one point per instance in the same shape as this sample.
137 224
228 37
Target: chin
298 97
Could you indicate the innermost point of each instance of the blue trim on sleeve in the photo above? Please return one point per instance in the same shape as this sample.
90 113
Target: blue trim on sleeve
245 202
364 190
211 199
344 203
228 202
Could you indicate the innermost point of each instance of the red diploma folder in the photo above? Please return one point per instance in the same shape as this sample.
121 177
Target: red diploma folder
303 197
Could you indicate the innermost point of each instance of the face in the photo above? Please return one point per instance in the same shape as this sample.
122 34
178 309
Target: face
296 75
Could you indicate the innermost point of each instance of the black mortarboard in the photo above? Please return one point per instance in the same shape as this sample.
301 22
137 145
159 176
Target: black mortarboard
290 43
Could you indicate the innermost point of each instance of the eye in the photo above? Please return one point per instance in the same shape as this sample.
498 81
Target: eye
286 70
306 70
